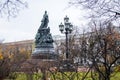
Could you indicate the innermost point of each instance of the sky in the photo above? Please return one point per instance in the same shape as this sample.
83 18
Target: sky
27 22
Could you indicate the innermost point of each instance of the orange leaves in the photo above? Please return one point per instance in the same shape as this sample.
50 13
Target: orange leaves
117 68
10 56
22 51
1 56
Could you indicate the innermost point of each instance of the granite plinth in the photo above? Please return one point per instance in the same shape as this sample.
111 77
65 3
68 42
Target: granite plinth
44 53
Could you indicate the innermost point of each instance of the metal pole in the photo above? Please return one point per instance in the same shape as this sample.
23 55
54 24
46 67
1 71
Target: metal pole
67 53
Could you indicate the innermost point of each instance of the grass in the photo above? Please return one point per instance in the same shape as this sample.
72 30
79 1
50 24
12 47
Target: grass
21 76
64 76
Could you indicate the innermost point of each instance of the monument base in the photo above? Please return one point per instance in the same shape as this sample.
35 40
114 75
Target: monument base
44 53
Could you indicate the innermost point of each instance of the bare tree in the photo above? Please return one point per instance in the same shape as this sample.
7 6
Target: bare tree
103 9
11 7
99 49
103 50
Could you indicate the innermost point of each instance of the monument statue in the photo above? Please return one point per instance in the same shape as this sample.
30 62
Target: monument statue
44 21
43 38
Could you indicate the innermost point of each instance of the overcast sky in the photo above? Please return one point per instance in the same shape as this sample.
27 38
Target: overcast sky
25 26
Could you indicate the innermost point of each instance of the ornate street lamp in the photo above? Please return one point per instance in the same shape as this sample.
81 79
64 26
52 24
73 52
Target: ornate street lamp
66 29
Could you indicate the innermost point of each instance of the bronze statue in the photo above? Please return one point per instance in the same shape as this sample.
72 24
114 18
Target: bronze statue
44 21
43 37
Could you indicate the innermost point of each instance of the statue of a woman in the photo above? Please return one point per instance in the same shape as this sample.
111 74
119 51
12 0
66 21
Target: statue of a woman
45 20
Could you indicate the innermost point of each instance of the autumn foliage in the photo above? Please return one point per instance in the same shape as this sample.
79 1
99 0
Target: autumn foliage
11 57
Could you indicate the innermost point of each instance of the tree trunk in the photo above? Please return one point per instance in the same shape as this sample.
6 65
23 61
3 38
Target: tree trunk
1 78
107 77
44 77
101 77
29 76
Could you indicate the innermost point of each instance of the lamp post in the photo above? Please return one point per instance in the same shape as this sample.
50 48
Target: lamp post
66 29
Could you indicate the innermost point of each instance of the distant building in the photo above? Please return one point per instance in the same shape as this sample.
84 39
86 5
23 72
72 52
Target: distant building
17 47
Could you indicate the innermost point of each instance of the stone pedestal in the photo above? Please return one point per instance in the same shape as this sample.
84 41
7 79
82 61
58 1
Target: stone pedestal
44 53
